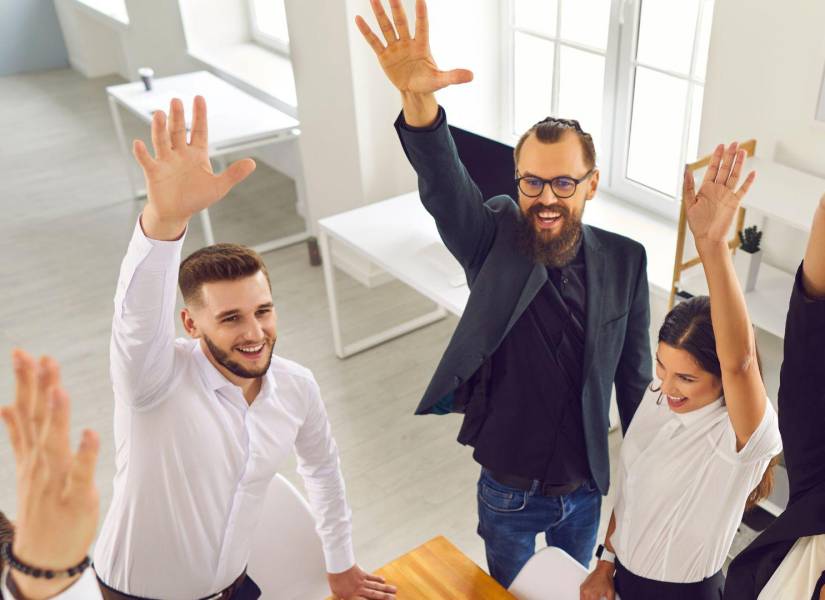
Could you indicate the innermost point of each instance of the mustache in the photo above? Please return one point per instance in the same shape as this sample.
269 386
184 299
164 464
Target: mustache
561 209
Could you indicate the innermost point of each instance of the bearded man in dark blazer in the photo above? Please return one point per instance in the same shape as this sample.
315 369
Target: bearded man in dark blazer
558 313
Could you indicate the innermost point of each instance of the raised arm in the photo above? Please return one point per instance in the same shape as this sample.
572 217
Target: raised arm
179 183
447 191
710 214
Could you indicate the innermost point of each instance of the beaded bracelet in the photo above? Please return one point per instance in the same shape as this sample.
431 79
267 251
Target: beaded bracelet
16 564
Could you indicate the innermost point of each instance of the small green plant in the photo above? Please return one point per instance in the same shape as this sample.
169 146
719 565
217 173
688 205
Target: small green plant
750 240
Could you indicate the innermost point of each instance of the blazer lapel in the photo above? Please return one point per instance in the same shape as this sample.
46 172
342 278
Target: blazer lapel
595 266
535 280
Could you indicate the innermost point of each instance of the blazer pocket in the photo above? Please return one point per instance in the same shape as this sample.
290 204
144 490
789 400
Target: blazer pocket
614 320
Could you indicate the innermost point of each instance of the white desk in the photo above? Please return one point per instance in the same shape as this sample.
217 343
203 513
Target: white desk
780 194
399 236
237 122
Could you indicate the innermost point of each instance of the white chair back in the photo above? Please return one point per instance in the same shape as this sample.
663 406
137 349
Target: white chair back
286 559
550 574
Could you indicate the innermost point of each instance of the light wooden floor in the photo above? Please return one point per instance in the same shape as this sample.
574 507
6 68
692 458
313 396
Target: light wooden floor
66 221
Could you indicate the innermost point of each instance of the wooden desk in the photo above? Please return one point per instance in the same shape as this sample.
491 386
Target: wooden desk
440 571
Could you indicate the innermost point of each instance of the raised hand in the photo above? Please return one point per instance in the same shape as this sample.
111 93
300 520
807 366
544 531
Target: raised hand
57 499
407 60
179 179
711 212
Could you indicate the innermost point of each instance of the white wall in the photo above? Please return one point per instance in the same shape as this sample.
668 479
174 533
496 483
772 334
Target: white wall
30 38
764 71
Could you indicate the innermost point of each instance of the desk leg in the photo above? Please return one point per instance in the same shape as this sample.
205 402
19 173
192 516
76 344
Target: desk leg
125 151
332 300
374 340
206 222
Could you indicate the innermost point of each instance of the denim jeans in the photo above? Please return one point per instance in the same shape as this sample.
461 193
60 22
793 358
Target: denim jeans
510 519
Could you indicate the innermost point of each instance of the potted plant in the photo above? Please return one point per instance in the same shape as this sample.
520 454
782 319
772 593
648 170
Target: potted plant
748 257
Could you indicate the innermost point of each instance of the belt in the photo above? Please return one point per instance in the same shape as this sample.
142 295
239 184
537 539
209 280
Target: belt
109 593
544 488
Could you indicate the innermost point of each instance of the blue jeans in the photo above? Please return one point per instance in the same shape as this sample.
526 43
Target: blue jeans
510 519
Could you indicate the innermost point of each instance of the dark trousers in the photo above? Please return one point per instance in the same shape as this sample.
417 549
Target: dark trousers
243 588
632 587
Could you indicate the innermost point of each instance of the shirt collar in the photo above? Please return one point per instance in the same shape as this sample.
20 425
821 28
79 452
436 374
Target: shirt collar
689 418
216 380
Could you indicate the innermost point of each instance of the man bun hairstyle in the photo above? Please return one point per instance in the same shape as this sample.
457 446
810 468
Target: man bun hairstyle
219 262
551 130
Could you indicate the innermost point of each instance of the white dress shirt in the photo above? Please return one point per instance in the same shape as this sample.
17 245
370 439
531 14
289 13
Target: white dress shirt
682 488
799 571
193 459
85 588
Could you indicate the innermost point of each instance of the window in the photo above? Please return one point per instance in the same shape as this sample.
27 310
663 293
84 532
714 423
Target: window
268 21
631 71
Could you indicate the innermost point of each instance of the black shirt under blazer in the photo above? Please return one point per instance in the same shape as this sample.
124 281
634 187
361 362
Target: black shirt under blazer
802 425
503 282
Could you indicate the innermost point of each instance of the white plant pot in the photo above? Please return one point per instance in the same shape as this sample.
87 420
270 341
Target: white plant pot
747 268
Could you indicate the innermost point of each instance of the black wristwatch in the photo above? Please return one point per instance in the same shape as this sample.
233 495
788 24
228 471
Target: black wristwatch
603 553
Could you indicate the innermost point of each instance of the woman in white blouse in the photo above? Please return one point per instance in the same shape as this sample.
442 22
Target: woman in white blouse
700 444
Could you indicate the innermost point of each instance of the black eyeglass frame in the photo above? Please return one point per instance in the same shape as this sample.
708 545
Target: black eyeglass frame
549 182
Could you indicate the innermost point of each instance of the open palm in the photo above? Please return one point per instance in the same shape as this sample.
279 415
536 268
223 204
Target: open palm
179 179
407 60
711 212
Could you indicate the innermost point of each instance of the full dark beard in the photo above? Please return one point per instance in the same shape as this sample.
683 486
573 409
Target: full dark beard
233 367
555 252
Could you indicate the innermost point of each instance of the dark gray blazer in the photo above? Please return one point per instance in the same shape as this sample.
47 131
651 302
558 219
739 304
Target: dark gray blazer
503 282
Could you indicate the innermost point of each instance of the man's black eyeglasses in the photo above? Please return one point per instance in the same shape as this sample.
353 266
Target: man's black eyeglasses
562 186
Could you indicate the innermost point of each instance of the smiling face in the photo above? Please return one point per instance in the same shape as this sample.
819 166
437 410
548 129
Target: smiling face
685 385
236 323
552 225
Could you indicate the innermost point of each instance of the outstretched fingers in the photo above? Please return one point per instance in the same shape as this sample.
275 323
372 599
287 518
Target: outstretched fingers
177 124
81 477
383 21
142 156
736 172
422 22
200 127
160 136
728 160
232 176
399 17
746 185
456 76
715 161
688 189
368 34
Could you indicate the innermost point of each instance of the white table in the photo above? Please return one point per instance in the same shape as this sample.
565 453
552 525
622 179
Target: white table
400 237
237 122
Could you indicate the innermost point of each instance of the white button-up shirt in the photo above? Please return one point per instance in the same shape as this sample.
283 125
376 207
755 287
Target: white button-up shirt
193 459
682 488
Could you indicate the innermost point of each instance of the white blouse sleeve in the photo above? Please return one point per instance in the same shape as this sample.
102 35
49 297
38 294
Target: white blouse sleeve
764 443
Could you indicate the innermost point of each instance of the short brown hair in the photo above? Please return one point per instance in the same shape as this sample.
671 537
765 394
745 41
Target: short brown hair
219 262
550 131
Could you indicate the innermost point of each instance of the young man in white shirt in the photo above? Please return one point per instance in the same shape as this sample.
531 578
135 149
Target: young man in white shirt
202 425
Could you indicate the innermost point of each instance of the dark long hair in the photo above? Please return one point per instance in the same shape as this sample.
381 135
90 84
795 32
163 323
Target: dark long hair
688 327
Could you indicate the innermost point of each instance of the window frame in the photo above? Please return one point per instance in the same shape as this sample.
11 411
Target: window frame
261 37
619 87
